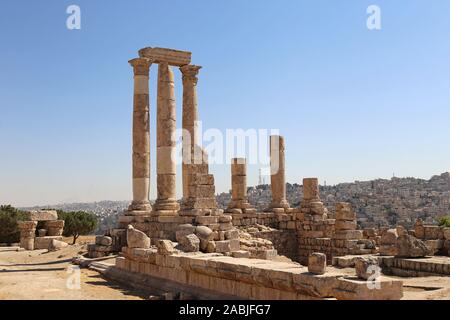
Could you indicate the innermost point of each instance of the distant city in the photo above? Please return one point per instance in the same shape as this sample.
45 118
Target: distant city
378 203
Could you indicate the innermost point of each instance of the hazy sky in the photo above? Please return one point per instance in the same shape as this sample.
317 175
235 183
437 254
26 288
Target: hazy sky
353 104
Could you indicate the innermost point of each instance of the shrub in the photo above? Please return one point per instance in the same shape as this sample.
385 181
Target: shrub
9 232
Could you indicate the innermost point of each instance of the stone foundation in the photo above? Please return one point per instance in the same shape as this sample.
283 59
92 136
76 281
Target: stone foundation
213 275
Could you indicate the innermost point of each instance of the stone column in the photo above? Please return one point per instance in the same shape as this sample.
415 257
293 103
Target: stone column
166 202
141 138
277 172
239 201
27 234
311 189
191 154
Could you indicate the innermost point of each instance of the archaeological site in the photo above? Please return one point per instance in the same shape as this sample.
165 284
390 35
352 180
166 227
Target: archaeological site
191 249
224 159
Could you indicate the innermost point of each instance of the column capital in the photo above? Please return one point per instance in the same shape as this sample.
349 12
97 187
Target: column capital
190 72
141 66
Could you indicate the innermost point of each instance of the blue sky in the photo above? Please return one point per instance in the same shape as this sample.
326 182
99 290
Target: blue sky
353 104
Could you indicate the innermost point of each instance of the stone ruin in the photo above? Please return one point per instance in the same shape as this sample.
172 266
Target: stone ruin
194 247
48 237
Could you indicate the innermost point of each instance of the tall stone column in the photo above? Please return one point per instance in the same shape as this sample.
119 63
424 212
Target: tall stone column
141 138
166 202
277 173
191 153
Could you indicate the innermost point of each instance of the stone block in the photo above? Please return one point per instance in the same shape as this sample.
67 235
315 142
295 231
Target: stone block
389 237
170 56
56 245
388 250
137 239
348 234
367 267
44 242
189 243
206 220
42 215
204 233
345 225
317 263
165 247
240 254
410 247
103 240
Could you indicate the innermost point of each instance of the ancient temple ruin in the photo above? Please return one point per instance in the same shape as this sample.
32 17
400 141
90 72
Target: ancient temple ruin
192 246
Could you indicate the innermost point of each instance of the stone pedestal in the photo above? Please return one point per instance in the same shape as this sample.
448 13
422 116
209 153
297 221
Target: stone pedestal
166 203
141 138
239 202
277 173
27 234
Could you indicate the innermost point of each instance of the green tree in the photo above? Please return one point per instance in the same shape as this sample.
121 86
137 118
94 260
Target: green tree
9 232
444 221
77 223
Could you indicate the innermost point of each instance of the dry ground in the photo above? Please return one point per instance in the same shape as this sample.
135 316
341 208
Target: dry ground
42 275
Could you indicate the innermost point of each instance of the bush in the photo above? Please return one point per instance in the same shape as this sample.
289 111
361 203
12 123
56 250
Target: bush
444 222
77 223
9 232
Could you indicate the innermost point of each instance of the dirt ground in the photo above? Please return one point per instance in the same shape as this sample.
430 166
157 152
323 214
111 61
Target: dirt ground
28 275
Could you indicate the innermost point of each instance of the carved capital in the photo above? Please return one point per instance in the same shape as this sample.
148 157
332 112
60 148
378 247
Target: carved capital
190 73
141 66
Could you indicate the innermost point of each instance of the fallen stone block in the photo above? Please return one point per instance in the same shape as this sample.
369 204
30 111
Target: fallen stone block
367 267
57 245
165 247
189 243
410 247
137 239
103 240
317 263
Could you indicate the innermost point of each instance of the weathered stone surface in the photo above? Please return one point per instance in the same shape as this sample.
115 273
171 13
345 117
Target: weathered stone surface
204 233
42 215
240 254
44 242
317 263
310 189
389 237
345 225
366 267
137 239
165 247
388 250
410 247
163 55
401 231
446 233
348 234
55 245
103 240
189 243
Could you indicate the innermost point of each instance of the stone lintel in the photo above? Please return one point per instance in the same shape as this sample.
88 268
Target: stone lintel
172 57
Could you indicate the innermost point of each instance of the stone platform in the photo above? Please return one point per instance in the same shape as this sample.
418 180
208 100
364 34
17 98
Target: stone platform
214 276
418 267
